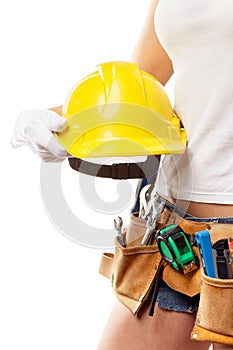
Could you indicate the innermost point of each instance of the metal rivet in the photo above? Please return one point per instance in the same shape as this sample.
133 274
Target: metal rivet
194 335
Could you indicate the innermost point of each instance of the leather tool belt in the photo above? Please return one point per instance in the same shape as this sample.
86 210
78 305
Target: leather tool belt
133 271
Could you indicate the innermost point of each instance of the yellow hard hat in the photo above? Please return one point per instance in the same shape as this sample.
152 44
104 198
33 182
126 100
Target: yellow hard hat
117 111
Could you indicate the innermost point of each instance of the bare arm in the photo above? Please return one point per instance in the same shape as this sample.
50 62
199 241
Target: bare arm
149 54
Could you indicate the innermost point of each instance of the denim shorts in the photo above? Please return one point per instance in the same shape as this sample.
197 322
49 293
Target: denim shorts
170 299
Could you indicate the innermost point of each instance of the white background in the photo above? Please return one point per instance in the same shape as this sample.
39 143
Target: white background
51 295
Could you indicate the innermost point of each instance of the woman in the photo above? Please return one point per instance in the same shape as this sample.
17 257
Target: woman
194 39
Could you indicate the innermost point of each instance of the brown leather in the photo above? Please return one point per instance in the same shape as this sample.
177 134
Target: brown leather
133 269
190 283
214 321
106 265
134 272
201 334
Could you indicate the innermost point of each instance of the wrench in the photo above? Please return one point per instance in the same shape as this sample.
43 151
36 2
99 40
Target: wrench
118 223
156 209
147 195
150 227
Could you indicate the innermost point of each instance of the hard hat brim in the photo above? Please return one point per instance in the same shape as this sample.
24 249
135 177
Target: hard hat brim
121 129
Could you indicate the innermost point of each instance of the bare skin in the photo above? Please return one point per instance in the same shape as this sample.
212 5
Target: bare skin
222 347
204 210
149 54
164 331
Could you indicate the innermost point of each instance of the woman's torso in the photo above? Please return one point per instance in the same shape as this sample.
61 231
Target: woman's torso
198 36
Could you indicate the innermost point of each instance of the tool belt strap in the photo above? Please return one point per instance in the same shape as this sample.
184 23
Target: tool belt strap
106 265
117 170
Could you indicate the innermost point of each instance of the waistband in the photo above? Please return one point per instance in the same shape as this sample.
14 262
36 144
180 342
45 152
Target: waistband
187 216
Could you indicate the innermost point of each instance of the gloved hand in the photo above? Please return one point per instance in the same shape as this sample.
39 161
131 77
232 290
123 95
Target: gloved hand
33 128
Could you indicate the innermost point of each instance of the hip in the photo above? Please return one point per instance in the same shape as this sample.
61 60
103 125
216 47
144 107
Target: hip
203 210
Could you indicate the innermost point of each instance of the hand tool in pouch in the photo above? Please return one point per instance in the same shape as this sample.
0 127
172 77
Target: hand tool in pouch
175 248
155 289
152 212
118 223
141 184
146 196
222 259
205 250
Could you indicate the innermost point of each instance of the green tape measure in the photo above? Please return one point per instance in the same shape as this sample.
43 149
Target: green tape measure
175 248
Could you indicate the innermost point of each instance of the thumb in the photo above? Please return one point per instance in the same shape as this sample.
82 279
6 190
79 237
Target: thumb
53 121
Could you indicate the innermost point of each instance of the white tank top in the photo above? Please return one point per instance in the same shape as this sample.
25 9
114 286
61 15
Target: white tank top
198 37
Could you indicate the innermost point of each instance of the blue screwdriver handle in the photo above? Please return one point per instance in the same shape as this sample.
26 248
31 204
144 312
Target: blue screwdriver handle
205 250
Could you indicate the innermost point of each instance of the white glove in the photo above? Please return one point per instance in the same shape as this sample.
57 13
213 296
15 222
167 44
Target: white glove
33 128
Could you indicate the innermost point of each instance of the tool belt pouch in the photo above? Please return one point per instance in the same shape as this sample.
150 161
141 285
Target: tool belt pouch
214 321
134 267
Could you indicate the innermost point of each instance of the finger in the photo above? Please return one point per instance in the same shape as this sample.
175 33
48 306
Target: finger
18 137
50 158
54 121
15 143
43 140
43 154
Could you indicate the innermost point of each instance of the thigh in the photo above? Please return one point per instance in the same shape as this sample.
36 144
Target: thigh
165 330
222 347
